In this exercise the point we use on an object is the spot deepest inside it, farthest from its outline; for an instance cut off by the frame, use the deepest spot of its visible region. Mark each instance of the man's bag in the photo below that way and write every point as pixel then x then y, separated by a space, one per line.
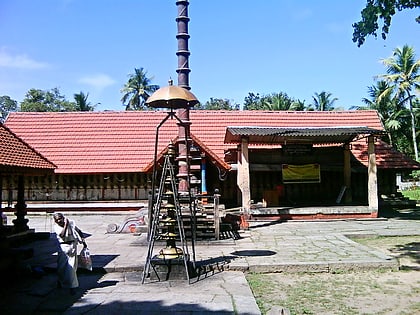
pixel 85 261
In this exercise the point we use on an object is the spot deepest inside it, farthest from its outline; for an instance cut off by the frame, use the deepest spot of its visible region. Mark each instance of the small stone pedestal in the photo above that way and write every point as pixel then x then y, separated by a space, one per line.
pixel 170 269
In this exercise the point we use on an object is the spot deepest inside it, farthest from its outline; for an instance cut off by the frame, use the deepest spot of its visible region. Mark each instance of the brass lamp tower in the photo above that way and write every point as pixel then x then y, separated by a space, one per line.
pixel 165 213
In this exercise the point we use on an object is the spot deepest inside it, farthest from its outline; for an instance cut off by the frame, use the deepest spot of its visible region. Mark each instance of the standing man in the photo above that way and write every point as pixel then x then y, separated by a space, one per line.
pixel 69 235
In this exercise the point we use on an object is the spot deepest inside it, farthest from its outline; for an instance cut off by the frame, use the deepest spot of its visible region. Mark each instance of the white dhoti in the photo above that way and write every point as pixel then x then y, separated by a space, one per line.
pixel 67 255
pixel 67 265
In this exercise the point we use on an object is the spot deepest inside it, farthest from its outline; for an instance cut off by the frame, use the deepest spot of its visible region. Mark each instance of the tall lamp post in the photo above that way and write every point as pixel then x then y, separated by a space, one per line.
pixel 183 71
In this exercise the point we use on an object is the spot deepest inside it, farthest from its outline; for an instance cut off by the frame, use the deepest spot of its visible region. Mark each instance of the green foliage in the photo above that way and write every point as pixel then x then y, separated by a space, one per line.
pixel 403 75
pixel 7 105
pixel 390 109
pixel 252 101
pixel 46 101
pixel 395 97
pixel 82 103
pixel 137 90
pixel 273 101
pixel 413 193
pixel 218 104
pixel 323 101
pixel 382 10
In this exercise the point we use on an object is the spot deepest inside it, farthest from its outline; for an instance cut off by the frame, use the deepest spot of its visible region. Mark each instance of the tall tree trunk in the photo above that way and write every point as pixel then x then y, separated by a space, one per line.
pixel 413 127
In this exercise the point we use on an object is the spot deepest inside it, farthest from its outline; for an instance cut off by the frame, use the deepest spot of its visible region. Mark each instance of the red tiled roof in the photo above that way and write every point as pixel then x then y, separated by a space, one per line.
pixel 104 142
pixel 386 156
pixel 16 154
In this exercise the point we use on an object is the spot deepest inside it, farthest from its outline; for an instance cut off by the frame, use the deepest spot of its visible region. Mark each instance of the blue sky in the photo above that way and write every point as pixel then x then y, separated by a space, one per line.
pixel 237 47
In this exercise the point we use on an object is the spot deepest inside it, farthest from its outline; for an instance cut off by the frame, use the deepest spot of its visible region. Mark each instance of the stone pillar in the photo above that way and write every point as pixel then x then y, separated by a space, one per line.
pixel 372 176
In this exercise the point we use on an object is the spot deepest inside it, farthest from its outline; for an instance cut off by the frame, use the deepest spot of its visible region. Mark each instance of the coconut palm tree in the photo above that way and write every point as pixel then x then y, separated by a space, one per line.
pixel 403 72
pixel 281 101
pixel 390 109
pixel 323 101
pixel 137 90
pixel 82 103
pixel 277 101
pixel 298 105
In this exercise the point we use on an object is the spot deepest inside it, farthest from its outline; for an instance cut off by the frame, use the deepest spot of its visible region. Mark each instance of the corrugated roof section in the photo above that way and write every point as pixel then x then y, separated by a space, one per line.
pixel 103 142
pixel 14 153
pixel 281 135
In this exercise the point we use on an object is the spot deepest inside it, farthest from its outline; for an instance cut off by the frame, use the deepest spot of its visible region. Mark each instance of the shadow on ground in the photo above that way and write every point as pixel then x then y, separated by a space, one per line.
pixel 410 251
pixel 30 285
pixel 400 213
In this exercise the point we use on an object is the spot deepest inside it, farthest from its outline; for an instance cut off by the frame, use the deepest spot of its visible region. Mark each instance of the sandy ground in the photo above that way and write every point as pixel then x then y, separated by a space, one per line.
pixel 368 292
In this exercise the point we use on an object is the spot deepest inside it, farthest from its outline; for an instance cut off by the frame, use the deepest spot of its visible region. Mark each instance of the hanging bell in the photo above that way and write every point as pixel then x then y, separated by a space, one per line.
pixel 170 253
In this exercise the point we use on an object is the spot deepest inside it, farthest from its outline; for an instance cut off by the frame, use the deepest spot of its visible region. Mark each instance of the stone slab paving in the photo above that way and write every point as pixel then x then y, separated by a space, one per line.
pixel 221 293
pixel 296 246
pixel 264 245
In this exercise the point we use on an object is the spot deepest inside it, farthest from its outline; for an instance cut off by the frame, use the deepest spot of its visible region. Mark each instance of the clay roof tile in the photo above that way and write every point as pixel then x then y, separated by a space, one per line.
pixel 103 142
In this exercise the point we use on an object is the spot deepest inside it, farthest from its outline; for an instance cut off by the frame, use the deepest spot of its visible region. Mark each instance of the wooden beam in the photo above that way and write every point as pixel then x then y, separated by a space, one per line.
pixel 372 176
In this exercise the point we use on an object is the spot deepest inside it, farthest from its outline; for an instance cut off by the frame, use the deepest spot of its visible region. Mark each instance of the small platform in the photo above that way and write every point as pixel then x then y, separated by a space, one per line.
pixel 170 269
pixel 312 212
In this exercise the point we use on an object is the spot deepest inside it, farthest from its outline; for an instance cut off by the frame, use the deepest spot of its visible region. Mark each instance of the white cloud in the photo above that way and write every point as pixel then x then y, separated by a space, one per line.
pixel 98 81
pixel 8 60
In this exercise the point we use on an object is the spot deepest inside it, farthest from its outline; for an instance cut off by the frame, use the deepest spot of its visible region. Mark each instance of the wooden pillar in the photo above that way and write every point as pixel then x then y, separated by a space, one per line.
pixel 20 223
pixel 216 215
pixel 1 193
pixel 1 203
pixel 372 176
pixel 243 175
pixel 347 174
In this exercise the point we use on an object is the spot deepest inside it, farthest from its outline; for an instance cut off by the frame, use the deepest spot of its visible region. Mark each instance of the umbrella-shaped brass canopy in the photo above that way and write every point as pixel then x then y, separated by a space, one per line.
pixel 172 96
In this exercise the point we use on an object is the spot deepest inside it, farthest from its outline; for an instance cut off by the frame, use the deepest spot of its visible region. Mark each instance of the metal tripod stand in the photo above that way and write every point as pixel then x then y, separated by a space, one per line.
pixel 167 226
